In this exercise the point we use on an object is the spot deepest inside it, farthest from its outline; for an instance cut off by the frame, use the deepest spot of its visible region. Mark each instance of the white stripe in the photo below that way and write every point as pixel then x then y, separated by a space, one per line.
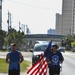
pixel 33 68
pixel 42 66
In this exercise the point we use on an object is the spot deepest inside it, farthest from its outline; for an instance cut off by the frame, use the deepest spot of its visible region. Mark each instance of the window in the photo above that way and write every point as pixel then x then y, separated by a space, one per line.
pixel 40 48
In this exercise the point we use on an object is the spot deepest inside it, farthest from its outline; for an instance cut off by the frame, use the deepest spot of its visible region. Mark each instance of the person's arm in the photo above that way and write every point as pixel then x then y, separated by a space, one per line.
pixel 61 58
pixel 21 58
pixel 48 59
pixel 7 59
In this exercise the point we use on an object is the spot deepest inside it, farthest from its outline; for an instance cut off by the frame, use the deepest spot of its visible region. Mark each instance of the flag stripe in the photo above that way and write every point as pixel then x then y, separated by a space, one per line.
pixel 34 70
pixel 43 70
pixel 40 67
pixel 43 66
pixel 33 66
pixel 39 63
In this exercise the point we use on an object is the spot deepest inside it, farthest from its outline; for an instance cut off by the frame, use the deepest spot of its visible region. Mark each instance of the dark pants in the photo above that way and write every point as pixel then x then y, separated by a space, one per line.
pixel 54 70
pixel 14 72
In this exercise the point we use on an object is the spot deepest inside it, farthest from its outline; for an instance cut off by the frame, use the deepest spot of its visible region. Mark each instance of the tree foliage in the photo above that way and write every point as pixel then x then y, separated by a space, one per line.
pixel 15 36
pixel 2 36
pixel 68 40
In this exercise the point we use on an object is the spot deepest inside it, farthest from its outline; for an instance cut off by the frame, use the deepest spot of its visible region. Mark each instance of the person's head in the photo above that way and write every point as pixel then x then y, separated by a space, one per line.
pixel 54 48
pixel 13 46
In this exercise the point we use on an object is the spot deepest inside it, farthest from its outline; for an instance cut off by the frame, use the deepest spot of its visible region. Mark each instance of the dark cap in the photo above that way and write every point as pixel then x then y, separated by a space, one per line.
pixel 55 46
pixel 13 44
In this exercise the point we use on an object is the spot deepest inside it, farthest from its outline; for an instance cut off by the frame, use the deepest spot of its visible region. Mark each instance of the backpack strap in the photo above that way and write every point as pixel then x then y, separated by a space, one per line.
pixel 50 54
pixel 59 54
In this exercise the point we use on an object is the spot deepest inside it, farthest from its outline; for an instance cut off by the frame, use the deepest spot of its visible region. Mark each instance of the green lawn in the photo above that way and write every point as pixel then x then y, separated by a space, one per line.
pixel 4 66
pixel 4 50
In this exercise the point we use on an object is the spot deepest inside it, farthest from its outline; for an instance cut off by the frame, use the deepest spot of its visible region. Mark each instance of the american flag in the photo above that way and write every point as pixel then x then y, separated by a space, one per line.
pixel 39 68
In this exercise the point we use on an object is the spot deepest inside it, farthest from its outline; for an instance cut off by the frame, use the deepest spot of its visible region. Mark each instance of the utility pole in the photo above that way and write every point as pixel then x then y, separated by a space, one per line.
pixel 9 21
pixel 9 27
pixel 19 25
pixel 0 14
pixel 24 28
pixel 27 29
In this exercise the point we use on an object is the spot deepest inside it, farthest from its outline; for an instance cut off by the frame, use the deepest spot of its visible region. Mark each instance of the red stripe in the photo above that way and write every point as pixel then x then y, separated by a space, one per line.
pixel 35 64
pixel 43 61
pixel 33 67
pixel 45 67
pixel 40 65
pixel 34 71
pixel 43 64
pixel 37 69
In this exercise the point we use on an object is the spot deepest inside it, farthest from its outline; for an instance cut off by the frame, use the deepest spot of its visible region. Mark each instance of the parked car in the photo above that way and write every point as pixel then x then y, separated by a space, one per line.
pixel 38 49
pixel 62 49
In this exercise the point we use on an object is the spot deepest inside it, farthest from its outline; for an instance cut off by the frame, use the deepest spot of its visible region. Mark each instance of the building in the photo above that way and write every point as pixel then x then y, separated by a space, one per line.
pixel 0 14
pixel 73 27
pixel 68 17
pixel 58 27
pixel 51 31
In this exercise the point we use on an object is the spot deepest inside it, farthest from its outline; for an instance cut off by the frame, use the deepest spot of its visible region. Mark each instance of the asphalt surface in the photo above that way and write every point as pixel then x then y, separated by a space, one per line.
pixel 69 64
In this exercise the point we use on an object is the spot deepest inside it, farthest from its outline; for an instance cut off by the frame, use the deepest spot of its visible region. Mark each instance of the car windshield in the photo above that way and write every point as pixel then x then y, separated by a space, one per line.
pixel 40 48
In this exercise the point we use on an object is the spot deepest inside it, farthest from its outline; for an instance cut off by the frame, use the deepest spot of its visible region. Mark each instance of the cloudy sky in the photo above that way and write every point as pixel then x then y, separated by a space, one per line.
pixel 39 15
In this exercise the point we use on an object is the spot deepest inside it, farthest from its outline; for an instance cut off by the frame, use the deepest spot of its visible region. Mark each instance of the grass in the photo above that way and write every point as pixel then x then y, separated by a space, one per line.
pixel 4 66
pixel 24 65
pixel 3 50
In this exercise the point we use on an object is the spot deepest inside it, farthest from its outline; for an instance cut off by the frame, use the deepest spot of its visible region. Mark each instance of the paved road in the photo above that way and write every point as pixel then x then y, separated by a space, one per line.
pixel 68 67
pixel 69 64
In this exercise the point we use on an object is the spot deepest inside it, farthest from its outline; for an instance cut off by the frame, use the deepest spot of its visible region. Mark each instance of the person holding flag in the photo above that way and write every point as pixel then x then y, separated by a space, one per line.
pixel 40 67
pixel 54 58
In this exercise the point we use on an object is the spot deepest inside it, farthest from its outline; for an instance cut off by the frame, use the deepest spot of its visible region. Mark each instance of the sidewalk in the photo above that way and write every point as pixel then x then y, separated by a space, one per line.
pixel 7 74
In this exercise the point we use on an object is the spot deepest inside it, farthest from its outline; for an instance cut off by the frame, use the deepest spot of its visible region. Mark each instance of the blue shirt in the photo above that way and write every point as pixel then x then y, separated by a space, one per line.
pixel 55 59
pixel 14 59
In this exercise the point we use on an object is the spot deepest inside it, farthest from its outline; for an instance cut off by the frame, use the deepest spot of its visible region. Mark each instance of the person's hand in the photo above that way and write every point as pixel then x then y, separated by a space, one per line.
pixel 48 61
pixel 19 62
pixel 61 62
pixel 8 62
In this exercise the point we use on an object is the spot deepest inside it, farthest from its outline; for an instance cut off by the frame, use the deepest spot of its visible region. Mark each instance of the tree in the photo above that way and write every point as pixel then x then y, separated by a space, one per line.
pixel 2 36
pixel 15 36
pixel 68 41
